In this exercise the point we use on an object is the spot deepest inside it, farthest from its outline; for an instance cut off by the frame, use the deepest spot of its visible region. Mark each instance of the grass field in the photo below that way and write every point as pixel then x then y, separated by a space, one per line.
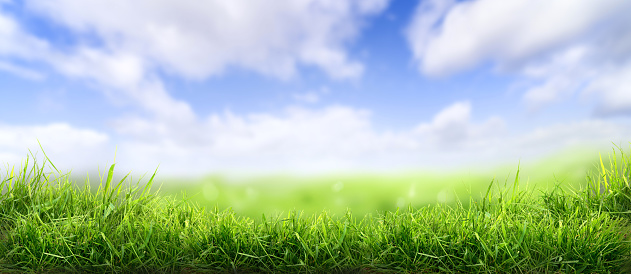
pixel 460 223
pixel 371 193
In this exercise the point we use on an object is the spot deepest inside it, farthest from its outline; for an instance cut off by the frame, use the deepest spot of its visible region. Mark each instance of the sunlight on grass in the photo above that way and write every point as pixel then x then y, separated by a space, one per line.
pixel 48 224
pixel 371 193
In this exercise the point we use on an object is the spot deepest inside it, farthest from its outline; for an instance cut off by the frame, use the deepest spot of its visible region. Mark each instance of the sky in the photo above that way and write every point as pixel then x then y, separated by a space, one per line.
pixel 310 86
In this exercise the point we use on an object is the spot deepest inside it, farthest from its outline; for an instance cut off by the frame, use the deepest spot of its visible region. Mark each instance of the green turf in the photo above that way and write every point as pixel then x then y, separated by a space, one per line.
pixel 49 224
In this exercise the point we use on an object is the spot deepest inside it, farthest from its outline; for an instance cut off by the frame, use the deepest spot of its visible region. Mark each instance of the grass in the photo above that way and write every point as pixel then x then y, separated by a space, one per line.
pixel 365 193
pixel 47 224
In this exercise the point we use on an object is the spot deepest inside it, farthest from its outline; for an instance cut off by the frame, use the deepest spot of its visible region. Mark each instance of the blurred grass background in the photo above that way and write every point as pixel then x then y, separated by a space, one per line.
pixel 369 193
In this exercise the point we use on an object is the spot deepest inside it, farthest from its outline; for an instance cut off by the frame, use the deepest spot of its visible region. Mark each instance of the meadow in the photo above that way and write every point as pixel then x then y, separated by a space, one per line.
pixel 572 217
pixel 365 193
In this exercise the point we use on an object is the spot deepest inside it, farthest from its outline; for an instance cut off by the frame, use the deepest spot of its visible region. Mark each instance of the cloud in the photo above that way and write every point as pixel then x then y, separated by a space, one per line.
pixel 301 139
pixel 188 39
pixel 21 71
pixel 342 138
pixel 122 74
pixel 67 146
pixel 16 43
pixel 197 40
pixel 587 133
pixel 452 127
pixel 614 88
pixel 464 34
pixel 119 70
pixel 423 29
pixel 559 77
pixel 560 46
pixel 334 137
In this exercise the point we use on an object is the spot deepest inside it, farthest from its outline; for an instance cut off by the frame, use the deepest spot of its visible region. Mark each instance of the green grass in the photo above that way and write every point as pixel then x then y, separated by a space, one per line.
pixel 370 193
pixel 48 224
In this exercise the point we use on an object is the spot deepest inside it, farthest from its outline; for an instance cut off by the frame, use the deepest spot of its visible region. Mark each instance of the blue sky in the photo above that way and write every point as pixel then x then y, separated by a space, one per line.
pixel 311 86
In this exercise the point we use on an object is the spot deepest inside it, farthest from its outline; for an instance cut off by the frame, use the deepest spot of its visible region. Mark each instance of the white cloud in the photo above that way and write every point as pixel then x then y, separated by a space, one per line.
pixel 338 138
pixel 123 74
pixel 449 125
pixel 614 88
pixel 21 71
pixel 423 28
pixel 503 31
pixel 118 70
pixel 136 42
pixel 560 76
pixel 301 139
pixel 199 39
pixel 452 128
pixel 16 42
pixel 593 133
pixel 68 147
pixel 560 45
pixel 335 137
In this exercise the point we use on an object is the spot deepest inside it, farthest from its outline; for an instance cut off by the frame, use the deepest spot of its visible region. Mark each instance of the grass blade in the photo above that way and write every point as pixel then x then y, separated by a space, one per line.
pixel 110 174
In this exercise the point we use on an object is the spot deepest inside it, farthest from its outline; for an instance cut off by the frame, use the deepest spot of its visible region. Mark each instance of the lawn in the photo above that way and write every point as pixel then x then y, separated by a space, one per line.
pixel 461 222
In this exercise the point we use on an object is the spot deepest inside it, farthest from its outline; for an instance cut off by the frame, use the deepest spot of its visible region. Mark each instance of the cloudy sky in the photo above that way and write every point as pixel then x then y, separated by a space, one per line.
pixel 310 85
